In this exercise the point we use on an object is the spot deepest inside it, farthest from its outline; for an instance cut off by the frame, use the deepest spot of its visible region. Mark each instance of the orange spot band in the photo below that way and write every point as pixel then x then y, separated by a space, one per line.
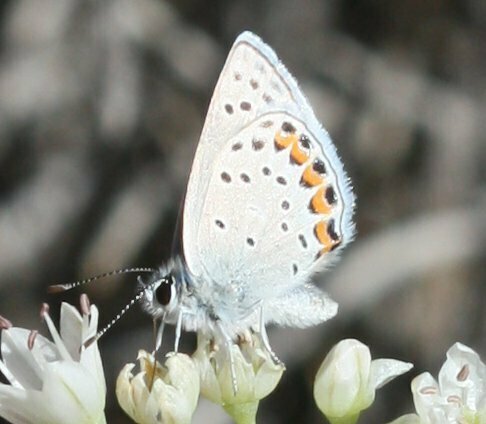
pixel 319 203
pixel 298 155
pixel 324 238
pixel 284 141
pixel 311 177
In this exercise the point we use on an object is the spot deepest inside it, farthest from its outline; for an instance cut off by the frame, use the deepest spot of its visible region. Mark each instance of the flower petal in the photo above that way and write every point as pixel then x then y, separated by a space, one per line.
pixel 63 352
pixel 178 392
pixel 69 384
pixel 464 375
pixel 210 388
pixel 407 419
pixel 124 389
pixel 384 370
pixel 267 376
pixel 18 359
pixel 427 397
pixel 66 388
pixel 12 402
pixel 71 325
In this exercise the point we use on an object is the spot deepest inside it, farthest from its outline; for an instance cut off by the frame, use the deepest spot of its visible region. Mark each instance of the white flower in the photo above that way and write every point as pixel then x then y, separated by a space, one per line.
pixel 460 394
pixel 347 380
pixel 407 419
pixel 256 376
pixel 53 382
pixel 168 394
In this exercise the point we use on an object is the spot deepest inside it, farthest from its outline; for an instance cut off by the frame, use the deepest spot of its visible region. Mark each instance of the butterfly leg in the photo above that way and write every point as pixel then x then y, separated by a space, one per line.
pixel 264 336
pixel 178 331
pixel 229 347
pixel 158 333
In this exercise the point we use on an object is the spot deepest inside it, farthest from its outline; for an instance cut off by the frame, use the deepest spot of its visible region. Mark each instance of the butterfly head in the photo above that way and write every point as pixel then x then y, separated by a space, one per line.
pixel 161 291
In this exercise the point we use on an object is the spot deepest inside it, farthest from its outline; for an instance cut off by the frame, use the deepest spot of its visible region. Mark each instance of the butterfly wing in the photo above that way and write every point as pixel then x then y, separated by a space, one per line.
pixel 301 307
pixel 268 202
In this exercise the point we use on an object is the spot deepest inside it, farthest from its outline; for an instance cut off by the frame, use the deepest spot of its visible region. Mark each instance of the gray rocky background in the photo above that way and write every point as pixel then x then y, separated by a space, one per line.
pixel 101 106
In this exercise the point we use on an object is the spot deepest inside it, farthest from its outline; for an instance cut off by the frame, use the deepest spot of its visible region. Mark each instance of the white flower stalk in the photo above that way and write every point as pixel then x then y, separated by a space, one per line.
pixel 458 397
pixel 347 380
pixel 53 382
pixel 256 376
pixel 165 394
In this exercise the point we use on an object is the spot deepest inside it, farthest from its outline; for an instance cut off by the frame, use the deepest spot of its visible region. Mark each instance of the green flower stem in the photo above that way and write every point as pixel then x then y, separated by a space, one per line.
pixel 351 419
pixel 242 413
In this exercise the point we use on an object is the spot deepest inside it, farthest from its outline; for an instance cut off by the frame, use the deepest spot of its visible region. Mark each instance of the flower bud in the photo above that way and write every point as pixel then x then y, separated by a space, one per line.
pixel 165 394
pixel 256 376
pixel 347 380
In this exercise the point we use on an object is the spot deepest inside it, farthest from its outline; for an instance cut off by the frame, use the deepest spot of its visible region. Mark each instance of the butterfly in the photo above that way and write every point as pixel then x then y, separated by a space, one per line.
pixel 268 205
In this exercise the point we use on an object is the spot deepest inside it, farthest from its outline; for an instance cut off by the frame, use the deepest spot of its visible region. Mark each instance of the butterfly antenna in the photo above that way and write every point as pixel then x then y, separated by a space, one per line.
pixel 100 333
pixel 57 288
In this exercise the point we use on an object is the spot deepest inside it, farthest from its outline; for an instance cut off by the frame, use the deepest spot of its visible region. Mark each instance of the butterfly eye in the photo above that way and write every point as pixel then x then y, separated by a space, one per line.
pixel 165 292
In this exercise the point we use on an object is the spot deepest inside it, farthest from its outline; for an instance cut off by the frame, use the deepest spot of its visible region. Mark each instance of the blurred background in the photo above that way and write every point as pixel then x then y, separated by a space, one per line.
pixel 101 107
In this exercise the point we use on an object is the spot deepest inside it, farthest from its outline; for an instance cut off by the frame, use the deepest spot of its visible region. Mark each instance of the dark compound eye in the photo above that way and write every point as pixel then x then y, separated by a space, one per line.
pixel 163 293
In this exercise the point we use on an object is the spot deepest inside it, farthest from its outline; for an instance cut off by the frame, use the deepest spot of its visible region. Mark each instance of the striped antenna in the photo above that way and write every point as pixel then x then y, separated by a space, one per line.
pixel 96 337
pixel 57 288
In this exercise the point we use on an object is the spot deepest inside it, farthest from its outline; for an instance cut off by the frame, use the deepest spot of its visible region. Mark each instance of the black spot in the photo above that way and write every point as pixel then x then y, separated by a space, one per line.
pixel 236 146
pixel 246 106
pixel 220 223
pixel 295 268
pixel 266 124
pixel 228 108
pixel 319 166
pixel 288 127
pixel 250 241
pixel 284 226
pixel 254 84
pixel 331 230
pixel 303 241
pixel 257 144
pixel 237 76
pixel 285 205
pixel 267 98
pixel 245 178
pixel 281 180
pixel 330 195
pixel 225 177
pixel 304 141
pixel 266 171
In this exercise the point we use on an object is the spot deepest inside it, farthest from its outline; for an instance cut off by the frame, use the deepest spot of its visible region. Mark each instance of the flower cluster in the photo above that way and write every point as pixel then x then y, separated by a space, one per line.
pixel 171 392
pixel 61 381
pixel 56 382
pixel 459 395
